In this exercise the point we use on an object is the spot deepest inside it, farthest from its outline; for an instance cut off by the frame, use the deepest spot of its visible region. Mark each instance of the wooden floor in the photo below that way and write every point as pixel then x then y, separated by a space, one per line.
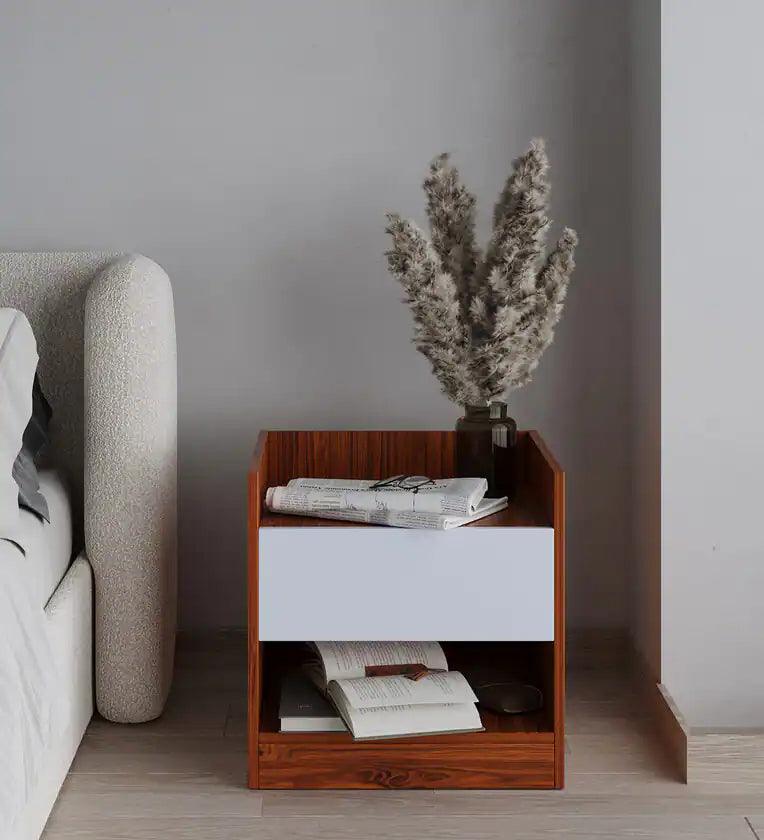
pixel 183 777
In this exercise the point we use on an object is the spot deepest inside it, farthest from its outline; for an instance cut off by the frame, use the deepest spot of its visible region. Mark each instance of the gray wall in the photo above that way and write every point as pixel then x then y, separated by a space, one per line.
pixel 712 298
pixel 645 142
pixel 252 149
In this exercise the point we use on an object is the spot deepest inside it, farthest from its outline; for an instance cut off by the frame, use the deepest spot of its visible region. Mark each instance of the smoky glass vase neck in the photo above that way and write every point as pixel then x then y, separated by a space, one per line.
pixel 485 445
pixel 494 410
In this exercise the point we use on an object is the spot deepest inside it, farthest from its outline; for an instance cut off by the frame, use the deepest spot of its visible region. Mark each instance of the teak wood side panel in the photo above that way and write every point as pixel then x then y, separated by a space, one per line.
pixel 473 761
pixel 544 480
pixel 544 475
pixel 256 487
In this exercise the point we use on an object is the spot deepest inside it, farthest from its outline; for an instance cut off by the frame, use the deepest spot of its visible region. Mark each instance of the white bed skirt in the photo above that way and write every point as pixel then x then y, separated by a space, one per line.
pixel 70 616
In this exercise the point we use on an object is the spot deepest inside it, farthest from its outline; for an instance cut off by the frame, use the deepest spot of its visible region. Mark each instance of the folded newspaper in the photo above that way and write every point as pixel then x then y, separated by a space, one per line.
pixel 445 504
pixel 459 496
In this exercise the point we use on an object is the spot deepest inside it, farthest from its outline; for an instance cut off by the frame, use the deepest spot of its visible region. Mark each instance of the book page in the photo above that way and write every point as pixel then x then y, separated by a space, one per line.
pixel 401 721
pixel 375 692
pixel 349 659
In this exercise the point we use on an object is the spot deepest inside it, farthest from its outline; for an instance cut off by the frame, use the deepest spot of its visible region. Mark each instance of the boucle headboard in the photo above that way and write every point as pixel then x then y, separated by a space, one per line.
pixel 50 289
pixel 105 330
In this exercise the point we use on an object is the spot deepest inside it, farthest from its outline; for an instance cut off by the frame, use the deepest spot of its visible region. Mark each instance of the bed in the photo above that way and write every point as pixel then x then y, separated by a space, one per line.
pixel 87 615
pixel 46 697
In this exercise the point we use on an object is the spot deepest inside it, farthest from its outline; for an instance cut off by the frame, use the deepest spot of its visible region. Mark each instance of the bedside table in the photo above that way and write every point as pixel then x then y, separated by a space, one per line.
pixel 490 592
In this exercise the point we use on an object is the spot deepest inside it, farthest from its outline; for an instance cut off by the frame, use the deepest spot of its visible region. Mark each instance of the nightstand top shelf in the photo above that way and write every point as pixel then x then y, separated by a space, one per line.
pixel 519 514
pixel 376 454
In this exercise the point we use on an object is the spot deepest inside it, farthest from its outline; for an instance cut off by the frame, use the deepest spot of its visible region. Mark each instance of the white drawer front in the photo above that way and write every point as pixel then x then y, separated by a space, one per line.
pixel 471 584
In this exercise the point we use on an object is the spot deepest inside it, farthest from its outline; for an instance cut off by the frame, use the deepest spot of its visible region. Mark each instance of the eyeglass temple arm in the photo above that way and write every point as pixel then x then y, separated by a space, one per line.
pixel 386 481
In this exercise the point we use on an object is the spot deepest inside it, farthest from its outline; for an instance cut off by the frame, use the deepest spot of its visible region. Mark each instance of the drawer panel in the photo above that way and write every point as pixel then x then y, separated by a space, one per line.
pixel 470 584
pixel 306 765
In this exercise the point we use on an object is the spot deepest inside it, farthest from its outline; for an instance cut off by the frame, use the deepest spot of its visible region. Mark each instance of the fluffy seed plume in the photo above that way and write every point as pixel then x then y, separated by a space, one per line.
pixel 440 333
pixel 451 212
pixel 483 321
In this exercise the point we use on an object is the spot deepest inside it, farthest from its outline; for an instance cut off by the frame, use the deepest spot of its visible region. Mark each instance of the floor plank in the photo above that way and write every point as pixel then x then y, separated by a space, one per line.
pixel 89 797
pixel 625 752
pixel 102 753
pixel 715 756
pixel 365 803
pixel 605 803
pixel 536 827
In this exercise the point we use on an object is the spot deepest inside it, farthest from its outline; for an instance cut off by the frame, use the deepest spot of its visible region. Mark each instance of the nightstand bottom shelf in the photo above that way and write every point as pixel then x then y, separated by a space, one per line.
pixel 415 763
pixel 513 751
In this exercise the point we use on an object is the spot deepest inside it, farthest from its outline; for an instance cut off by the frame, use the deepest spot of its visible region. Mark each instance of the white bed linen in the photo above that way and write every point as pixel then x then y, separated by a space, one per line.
pixel 48 545
pixel 18 363
pixel 32 708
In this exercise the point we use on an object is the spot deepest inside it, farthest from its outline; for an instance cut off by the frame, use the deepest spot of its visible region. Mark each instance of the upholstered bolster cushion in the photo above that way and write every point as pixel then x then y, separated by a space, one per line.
pixel 131 484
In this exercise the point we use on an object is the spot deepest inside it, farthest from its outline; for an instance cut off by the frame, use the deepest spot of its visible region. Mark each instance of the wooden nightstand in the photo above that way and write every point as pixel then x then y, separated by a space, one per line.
pixel 490 591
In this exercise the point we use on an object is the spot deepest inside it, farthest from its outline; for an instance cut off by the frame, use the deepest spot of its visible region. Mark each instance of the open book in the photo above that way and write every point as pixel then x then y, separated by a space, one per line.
pixel 394 706
pixel 445 496
pixel 284 500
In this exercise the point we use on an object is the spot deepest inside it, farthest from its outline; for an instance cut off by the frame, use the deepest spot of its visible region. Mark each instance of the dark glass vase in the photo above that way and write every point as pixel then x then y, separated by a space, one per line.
pixel 486 439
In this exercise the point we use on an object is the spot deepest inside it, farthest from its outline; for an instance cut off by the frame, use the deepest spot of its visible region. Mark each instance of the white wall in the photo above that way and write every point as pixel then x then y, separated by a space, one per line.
pixel 645 191
pixel 713 345
pixel 252 149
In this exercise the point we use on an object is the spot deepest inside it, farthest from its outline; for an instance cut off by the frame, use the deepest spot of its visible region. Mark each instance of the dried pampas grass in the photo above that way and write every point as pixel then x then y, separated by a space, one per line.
pixel 483 321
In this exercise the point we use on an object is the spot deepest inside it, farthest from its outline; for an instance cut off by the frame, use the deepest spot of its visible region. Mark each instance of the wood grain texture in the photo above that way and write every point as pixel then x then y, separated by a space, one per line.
pixel 374 454
pixel 138 795
pixel 360 454
pixel 543 481
pixel 668 721
pixel 527 751
pixel 734 757
pixel 256 488
pixel 592 803
pixel 410 765
pixel 559 621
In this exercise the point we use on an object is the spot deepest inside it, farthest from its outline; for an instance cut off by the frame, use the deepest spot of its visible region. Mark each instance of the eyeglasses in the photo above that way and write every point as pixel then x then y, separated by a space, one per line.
pixel 403 482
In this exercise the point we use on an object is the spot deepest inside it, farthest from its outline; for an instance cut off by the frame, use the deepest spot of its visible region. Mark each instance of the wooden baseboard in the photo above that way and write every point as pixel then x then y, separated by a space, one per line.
pixel 601 649
pixel 722 757
pixel 670 726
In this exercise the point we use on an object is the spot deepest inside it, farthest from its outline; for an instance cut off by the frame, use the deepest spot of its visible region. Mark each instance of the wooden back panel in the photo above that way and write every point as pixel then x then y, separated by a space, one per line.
pixel 283 455
pixel 358 454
